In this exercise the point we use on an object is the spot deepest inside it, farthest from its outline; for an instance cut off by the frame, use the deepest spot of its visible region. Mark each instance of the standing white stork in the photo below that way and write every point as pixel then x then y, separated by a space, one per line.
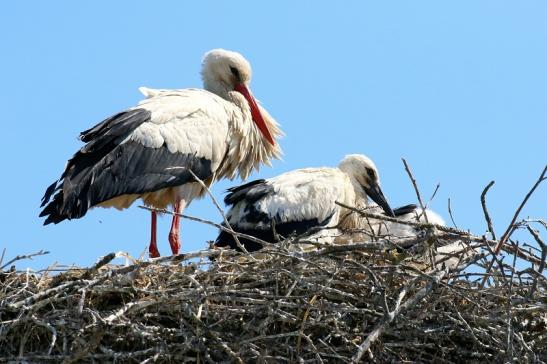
pixel 296 201
pixel 147 151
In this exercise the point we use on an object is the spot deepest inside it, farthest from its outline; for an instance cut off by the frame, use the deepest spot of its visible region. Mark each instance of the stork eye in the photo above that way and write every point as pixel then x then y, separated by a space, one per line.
pixel 235 72
pixel 371 173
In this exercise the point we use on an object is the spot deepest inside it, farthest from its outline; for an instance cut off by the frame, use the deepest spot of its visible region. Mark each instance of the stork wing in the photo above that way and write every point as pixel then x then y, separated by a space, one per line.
pixel 304 196
pixel 291 203
pixel 141 150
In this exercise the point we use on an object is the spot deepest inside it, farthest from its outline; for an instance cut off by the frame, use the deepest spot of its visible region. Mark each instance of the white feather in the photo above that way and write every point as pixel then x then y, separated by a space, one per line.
pixel 307 194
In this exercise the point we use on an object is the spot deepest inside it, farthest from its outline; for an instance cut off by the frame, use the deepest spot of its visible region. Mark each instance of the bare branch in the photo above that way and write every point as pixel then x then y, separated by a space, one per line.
pixel 485 210
pixel 512 225
pixel 226 222
pixel 22 257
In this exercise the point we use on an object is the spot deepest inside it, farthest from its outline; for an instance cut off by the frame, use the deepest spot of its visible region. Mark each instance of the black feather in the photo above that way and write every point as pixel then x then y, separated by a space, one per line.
pixel 104 168
pixel 115 125
pixel 286 229
pixel 49 191
pixel 250 192
pixel 403 210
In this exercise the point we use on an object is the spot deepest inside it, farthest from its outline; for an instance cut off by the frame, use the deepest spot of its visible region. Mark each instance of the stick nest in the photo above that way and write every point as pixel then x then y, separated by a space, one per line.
pixel 340 303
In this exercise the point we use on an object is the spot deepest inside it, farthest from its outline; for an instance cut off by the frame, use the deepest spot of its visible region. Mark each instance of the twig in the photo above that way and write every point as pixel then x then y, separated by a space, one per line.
pixel 21 257
pixel 450 214
pixel 511 226
pixel 541 266
pixel 509 342
pixel 423 207
pixel 383 324
pixel 485 210
pixel 130 306
pixel 2 256
pixel 102 262
pixel 542 246
pixel 413 180
pixel 304 319
pixel 433 194
pixel 221 211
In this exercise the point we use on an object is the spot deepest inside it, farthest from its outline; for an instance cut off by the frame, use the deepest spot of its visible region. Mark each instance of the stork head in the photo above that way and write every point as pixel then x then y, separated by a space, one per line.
pixel 363 171
pixel 226 71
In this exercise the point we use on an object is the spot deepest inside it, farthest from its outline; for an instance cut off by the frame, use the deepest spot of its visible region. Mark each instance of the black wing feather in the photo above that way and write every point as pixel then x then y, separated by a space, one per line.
pixel 104 168
pixel 250 192
pixel 403 210
pixel 285 229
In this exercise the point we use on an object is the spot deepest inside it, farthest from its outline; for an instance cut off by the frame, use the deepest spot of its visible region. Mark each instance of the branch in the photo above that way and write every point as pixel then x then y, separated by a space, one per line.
pixel 413 180
pixel 512 226
pixel 389 317
pixel 21 257
pixel 236 239
pixel 508 232
pixel 485 210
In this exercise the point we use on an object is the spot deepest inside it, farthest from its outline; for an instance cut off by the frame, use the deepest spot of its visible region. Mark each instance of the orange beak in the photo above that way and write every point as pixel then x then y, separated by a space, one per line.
pixel 255 112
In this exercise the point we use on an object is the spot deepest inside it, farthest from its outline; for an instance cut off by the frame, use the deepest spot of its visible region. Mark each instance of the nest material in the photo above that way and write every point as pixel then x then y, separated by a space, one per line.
pixel 343 303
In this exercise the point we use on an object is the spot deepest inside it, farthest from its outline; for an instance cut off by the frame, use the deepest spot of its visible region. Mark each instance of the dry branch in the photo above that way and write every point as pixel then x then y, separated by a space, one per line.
pixel 512 225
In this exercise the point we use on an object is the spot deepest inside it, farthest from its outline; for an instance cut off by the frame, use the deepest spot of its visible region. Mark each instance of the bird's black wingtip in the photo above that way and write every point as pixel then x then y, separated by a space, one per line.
pixel 245 191
pixel 48 193
pixel 226 240
pixel 54 219
pixel 406 209
pixel 53 211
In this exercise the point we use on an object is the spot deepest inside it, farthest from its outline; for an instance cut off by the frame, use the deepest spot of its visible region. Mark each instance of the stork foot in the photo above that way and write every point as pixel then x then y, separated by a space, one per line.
pixel 174 241
pixel 153 251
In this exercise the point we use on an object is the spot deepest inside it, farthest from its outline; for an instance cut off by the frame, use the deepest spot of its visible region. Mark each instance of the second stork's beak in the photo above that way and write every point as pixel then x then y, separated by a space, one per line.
pixel 376 194
pixel 255 112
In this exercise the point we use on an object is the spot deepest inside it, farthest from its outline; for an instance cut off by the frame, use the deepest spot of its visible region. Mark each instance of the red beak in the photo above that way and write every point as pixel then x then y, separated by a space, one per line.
pixel 255 112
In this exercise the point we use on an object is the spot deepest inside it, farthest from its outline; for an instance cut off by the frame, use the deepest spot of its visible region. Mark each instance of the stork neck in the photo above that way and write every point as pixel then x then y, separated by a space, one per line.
pixel 218 88
pixel 248 149
pixel 358 199
pixel 360 194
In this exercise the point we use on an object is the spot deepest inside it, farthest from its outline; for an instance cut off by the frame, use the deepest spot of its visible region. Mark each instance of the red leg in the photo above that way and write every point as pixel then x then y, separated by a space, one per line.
pixel 174 233
pixel 153 249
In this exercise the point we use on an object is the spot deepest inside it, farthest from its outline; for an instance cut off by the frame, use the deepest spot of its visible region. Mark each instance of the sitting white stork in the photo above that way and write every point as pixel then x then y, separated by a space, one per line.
pixel 370 227
pixel 449 255
pixel 296 201
pixel 147 151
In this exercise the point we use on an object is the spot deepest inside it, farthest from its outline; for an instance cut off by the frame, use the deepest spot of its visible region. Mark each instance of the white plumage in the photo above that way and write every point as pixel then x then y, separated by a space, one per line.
pixel 296 201
pixel 146 151
pixel 367 228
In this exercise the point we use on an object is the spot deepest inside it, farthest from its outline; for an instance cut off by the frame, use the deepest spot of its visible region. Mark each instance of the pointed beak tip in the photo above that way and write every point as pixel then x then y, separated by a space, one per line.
pixel 376 194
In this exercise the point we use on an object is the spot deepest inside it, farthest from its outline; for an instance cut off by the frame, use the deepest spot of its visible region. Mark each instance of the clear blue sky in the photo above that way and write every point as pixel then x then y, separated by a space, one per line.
pixel 457 88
